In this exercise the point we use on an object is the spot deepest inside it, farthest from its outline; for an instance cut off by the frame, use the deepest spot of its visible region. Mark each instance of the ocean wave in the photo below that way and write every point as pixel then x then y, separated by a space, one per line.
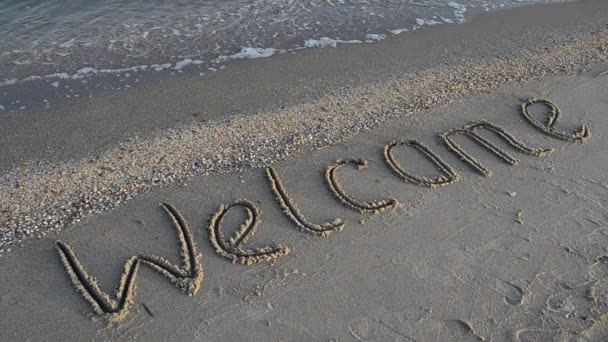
pixel 51 40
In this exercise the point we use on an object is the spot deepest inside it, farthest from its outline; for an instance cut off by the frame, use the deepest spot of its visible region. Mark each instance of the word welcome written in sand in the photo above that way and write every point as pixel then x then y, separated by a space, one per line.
pixel 189 276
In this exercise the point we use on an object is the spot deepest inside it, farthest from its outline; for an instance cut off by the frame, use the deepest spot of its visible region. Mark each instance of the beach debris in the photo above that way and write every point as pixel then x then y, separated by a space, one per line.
pixel 293 213
pixel 602 74
pixel 231 248
pixel 519 219
pixel 349 201
pixel 470 130
pixel 512 193
pixel 188 278
pixel 148 311
pixel 548 128
pixel 447 177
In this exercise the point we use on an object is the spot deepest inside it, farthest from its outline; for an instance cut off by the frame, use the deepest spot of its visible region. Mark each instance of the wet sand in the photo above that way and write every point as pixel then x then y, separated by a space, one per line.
pixel 413 249
pixel 76 128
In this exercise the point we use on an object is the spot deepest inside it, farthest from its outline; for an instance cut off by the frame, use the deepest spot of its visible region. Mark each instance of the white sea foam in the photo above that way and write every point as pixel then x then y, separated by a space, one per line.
pixel 32 78
pixel 375 36
pixel 246 52
pixel 253 53
pixel 399 31
pixel 427 22
pixel 161 67
pixel 84 72
pixel 59 75
pixel 136 29
pixel 181 64
pixel 10 81
pixel 324 42
pixel 22 62
pixel 459 11
pixel 68 44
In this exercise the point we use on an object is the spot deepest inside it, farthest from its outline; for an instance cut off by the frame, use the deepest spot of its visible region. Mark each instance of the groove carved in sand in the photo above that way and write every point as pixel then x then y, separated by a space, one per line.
pixel 231 248
pixel 471 131
pixel 113 310
pixel 548 128
pixel 293 213
pixel 346 199
pixel 188 278
pixel 448 175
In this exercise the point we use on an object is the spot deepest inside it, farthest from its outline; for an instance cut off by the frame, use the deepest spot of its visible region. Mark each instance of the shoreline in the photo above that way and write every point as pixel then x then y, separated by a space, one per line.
pixel 90 126
pixel 88 57
pixel 41 197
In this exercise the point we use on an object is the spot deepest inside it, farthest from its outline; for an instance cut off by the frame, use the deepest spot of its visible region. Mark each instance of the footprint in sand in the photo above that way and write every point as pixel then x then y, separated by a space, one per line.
pixel 526 335
pixel 462 331
pixel 514 294
pixel 599 268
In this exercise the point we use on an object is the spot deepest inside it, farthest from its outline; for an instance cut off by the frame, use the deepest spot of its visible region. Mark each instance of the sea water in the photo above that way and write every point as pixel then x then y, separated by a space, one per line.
pixel 55 40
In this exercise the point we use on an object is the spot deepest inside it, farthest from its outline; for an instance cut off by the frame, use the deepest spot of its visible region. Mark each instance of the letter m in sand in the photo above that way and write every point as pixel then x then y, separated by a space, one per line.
pixel 472 131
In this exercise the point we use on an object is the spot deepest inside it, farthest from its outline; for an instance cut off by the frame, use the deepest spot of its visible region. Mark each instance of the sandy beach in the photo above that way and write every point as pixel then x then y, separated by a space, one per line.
pixel 445 185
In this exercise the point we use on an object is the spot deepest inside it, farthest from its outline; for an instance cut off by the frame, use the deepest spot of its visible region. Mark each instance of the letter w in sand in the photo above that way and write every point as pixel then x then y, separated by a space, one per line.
pixel 471 131
pixel 188 277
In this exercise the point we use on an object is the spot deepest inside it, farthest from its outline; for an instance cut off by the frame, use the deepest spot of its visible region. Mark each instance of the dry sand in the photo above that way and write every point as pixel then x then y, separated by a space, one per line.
pixel 38 197
pixel 520 255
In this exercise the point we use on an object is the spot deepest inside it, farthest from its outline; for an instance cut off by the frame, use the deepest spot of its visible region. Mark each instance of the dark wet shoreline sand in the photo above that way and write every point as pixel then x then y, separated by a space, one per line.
pixel 77 128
